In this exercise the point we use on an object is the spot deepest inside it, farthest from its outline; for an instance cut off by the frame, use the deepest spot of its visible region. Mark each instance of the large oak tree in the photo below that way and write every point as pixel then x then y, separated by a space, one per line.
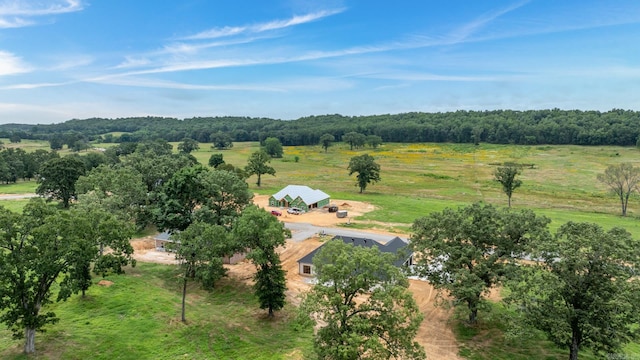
pixel 258 165
pixel 362 304
pixel 367 169
pixel 39 248
pixel 58 178
pixel 583 291
pixel 467 251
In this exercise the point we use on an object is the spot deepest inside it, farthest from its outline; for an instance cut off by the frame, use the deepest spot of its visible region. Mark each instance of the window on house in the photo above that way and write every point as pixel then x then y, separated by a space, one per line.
pixel 306 269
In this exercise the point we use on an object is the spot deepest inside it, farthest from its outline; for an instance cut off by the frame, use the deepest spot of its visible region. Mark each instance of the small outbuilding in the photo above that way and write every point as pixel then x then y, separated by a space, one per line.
pixel 396 246
pixel 164 238
pixel 299 196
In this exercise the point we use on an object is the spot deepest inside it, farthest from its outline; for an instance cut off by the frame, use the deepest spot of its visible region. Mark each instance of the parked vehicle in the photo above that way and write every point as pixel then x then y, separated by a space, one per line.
pixel 294 211
pixel 333 208
pixel 276 213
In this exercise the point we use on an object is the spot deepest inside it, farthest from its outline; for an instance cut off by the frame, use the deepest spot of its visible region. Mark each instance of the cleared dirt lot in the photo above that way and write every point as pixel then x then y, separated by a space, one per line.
pixel 435 332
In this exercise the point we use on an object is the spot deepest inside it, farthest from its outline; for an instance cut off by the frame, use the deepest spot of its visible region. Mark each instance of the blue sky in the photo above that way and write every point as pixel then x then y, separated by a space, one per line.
pixel 64 59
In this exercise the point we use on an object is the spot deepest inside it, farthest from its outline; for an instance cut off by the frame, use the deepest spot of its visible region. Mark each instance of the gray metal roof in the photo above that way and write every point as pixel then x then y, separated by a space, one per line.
pixel 165 236
pixel 396 246
pixel 307 194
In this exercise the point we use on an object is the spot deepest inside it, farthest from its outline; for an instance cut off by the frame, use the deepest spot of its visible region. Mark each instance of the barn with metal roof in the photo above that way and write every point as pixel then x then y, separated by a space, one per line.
pixel 299 196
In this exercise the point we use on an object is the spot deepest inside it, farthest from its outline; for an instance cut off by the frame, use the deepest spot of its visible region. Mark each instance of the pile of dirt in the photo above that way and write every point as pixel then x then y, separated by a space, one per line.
pixel 145 243
pixel 105 283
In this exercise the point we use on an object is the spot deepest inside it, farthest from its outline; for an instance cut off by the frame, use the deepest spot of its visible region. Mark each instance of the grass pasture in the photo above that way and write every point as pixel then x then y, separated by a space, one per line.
pixel 421 178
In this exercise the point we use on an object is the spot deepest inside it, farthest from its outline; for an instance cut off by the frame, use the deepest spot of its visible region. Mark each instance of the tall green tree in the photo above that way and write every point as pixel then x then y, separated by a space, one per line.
pixel 363 305
pixel 261 233
pixel 156 169
pixel 153 148
pixel 93 159
pixel 622 180
pixel 326 140
pixel 506 176
pixel 467 251
pixel 106 246
pixel 257 165
pixel 216 160
pixel 221 140
pixel 58 178
pixel 38 158
pixel 273 147
pixel 37 248
pixel 366 167
pixel 350 138
pixel 227 195
pixel 200 249
pixel 13 160
pixel 584 291
pixel 179 198
pixel 119 190
pixel 374 141
pixel 197 193
pixel 359 140
pixel 188 145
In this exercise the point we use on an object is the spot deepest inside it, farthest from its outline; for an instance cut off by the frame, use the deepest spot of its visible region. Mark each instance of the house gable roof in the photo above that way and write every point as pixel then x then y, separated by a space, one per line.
pixel 395 246
pixel 307 194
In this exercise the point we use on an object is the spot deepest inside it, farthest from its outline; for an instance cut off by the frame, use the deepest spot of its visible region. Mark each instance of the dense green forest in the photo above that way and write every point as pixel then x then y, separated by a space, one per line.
pixel 555 126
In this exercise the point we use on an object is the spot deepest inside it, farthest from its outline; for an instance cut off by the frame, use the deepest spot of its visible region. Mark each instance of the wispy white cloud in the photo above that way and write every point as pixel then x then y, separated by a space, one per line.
pixel 261 27
pixel 422 76
pixel 6 23
pixel 562 19
pixel 205 64
pixel 131 62
pixel 71 62
pixel 187 48
pixel 20 13
pixel 465 31
pixel 30 86
pixel 161 84
pixel 11 64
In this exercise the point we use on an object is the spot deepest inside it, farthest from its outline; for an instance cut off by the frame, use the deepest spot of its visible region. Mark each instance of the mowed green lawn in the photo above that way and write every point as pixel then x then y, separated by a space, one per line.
pixel 138 317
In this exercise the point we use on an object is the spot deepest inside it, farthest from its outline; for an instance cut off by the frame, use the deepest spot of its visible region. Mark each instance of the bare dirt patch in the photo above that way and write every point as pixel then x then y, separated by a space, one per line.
pixel 105 283
pixel 322 217
pixel 318 217
pixel 144 249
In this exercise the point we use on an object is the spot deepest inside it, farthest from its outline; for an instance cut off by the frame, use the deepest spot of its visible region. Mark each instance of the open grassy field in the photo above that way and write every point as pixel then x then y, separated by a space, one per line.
pixel 418 179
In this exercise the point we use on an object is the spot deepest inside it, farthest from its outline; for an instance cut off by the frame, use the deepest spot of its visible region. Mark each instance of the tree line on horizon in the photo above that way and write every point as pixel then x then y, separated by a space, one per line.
pixel 578 286
pixel 531 127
